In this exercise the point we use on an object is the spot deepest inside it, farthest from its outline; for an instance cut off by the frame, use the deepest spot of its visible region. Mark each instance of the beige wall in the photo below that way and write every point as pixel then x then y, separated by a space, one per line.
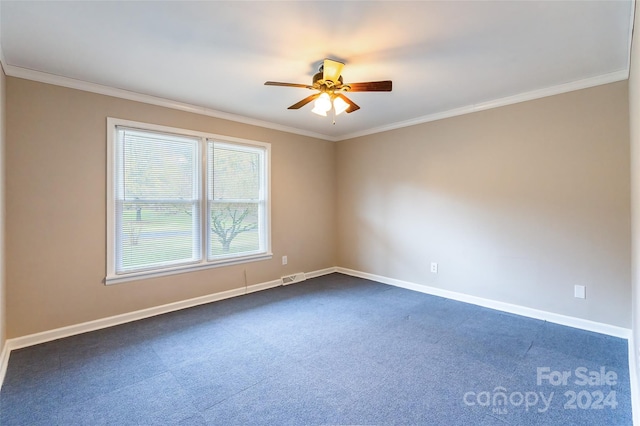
pixel 56 202
pixel 517 204
pixel 3 335
pixel 634 121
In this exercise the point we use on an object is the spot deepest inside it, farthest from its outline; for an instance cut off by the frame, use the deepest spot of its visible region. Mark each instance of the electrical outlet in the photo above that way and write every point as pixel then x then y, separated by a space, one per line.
pixel 284 260
pixel 580 292
pixel 434 267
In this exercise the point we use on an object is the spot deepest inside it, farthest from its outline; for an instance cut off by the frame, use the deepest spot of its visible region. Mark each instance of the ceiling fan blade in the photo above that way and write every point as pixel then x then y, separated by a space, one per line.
pixel 304 101
pixel 352 105
pixel 371 86
pixel 275 83
pixel 332 70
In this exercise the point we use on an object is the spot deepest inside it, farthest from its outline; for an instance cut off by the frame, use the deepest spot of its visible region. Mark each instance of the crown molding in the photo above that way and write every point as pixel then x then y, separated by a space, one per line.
pixel 510 100
pixel 57 80
pixel 72 83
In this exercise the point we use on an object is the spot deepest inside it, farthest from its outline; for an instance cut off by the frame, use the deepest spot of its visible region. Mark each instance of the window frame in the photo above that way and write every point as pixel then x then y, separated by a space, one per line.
pixel 113 277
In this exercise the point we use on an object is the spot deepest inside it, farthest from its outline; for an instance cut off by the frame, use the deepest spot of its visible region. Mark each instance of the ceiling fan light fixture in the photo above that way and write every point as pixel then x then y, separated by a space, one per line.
pixel 315 110
pixel 322 105
pixel 339 105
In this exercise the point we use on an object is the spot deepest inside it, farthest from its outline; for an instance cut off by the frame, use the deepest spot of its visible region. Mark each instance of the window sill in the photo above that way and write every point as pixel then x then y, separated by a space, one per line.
pixel 134 276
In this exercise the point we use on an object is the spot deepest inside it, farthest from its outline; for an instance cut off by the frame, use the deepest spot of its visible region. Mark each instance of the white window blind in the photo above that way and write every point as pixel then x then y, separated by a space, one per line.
pixel 181 200
pixel 157 201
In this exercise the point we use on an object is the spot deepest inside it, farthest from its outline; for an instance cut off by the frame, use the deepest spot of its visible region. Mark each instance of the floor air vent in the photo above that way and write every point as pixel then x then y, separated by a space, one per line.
pixel 294 278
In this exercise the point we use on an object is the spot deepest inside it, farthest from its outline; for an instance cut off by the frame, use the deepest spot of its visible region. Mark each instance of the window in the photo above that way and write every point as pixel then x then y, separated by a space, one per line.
pixel 180 200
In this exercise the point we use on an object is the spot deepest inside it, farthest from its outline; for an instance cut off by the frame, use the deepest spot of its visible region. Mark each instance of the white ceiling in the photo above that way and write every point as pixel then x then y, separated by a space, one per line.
pixel 443 57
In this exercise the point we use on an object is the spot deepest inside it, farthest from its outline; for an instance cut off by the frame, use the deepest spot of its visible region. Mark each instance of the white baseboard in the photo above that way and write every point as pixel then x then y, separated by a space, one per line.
pixel 580 323
pixel 4 361
pixel 59 333
pixel 321 272
pixel 263 286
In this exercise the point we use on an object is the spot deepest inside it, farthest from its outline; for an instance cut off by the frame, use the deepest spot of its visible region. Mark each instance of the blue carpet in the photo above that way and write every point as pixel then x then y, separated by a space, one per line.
pixel 332 350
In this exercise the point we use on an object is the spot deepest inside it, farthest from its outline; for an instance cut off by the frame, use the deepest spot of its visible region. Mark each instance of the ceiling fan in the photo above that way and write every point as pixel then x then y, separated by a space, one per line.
pixel 331 88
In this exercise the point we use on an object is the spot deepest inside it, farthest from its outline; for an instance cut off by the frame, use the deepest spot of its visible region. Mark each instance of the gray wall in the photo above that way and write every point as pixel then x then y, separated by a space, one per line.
pixel 517 204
